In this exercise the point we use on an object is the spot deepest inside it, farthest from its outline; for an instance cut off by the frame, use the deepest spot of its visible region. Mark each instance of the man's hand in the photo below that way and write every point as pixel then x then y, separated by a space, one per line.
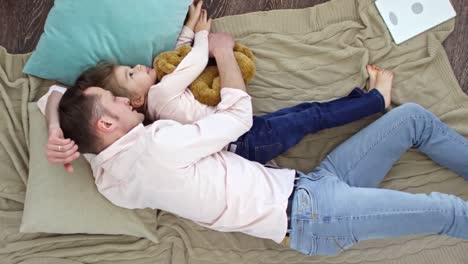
pixel 203 22
pixel 61 150
pixel 218 42
pixel 194 15
pixel 221 46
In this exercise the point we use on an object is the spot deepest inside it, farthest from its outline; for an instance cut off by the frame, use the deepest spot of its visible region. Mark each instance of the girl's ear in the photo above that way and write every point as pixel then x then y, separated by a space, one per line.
pixel 137 102
pixel 106 124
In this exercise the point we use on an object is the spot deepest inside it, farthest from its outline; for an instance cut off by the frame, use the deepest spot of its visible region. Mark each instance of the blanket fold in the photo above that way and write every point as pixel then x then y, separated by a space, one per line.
pixel 311 54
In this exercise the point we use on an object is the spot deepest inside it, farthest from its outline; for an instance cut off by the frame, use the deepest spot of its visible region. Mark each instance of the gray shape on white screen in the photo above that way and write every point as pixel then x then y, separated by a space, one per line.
pixel 393 18
pixel 417 8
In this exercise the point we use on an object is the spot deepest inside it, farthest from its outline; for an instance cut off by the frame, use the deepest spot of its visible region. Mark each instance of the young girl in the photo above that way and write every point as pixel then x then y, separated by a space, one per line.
pixel 270 135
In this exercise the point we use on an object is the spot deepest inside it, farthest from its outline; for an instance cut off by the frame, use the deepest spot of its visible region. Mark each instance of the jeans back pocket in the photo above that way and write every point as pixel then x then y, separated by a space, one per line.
pixel 330 246
pixel 303 212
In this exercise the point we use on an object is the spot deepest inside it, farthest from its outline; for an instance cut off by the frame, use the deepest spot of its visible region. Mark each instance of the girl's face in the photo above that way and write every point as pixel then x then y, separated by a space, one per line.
pixel 136 79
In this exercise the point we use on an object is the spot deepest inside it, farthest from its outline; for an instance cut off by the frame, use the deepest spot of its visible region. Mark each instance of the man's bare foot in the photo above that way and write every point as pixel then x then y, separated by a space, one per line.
pixel 372 71
pixel 384 85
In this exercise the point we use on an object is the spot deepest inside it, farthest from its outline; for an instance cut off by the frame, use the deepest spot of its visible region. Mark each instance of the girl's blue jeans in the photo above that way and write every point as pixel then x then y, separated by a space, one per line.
pixel 339 204
pixel 274 133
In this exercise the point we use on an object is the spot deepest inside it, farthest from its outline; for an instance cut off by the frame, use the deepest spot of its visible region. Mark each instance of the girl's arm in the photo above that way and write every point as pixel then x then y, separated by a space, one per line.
pixel 233 116
pixel 175 83
pixel 188 31
pixel 186 37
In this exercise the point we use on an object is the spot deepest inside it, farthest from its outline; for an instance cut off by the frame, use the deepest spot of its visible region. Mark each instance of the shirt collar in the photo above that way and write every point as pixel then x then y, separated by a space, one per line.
pixel 121 144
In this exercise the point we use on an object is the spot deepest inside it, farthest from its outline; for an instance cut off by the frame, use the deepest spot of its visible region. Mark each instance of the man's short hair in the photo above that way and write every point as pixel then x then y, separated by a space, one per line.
pixel 78 114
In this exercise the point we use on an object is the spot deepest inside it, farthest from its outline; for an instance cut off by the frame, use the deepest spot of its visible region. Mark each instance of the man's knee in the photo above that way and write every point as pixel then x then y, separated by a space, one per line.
pixel 411 108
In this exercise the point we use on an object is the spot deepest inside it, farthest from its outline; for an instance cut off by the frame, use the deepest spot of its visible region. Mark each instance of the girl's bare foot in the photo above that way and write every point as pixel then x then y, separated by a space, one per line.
pixel 384 84
pixel 372 71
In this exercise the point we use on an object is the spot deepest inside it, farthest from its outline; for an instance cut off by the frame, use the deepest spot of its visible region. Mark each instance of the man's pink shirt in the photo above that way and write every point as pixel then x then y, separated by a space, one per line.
pixel 182 169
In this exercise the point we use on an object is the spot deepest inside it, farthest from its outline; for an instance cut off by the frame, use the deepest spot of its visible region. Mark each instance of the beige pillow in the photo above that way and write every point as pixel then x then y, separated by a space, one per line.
pixel 60 202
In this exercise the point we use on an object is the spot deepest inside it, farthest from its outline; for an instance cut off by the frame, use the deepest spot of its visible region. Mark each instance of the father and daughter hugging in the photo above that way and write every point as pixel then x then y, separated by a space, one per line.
pixel 205 163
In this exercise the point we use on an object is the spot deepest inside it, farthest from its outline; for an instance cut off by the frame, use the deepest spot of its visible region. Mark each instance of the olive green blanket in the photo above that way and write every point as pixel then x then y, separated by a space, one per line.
pixel 312 54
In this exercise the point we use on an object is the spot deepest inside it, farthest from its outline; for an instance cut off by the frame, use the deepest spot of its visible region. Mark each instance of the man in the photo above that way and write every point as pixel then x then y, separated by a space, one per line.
pixel 191 154
pixel 183 169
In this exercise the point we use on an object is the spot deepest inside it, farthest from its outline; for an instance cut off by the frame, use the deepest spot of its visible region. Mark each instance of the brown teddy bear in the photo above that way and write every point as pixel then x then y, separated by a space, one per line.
pixel 206 88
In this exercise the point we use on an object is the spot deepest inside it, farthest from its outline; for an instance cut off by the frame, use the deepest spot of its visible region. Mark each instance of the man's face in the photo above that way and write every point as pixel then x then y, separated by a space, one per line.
pixel 118 108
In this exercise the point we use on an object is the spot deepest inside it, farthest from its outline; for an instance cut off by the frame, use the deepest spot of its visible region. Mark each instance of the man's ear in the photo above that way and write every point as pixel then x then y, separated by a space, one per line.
pixel 106 124
pixel 137 102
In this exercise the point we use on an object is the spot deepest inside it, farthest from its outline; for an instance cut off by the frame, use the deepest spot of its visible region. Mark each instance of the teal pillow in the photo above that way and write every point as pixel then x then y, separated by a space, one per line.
pixel 80 33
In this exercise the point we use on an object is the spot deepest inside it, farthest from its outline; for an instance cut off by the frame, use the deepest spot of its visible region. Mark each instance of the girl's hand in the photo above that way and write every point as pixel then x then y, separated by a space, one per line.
pixel 60 150
pixel 194 15
pixel 203 23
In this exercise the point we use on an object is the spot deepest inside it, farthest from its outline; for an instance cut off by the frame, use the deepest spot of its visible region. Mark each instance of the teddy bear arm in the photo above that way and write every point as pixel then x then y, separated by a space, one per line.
pixel 246 65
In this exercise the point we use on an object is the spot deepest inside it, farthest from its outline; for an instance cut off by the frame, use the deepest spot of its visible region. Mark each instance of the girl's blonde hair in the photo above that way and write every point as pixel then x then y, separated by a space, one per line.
pixel 102 75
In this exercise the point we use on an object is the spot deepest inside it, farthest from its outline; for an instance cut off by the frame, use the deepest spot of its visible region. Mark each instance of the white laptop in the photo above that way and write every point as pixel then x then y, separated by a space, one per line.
pixel 408 18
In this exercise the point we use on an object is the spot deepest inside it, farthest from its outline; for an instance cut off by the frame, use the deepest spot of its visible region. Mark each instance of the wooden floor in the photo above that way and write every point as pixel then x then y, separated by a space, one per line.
pixel 22 22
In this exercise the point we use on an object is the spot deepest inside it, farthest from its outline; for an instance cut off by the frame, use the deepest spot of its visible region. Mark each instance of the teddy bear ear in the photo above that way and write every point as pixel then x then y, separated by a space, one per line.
pixel 165 67
pixel 247 67
pixel 239 47
pixel 165 63
pixel 246 61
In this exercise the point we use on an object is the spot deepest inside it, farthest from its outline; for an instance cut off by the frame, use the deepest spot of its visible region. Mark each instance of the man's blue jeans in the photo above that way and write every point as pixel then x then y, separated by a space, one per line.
pixel 274 133
pixel 339 204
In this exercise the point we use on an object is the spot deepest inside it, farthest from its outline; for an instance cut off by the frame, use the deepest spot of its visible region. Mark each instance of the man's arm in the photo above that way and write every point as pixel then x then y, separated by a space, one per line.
pixel 58 149
pixel 229 71
pixel 51 112
pixel 233 116
pixel 180 145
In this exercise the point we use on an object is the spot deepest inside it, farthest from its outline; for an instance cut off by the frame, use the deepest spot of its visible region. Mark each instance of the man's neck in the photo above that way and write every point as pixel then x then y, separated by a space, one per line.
pixel 108 139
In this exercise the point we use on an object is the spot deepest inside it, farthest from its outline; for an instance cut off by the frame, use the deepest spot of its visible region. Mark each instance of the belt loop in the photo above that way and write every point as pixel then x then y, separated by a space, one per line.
pixel 296 178
pixel 232 147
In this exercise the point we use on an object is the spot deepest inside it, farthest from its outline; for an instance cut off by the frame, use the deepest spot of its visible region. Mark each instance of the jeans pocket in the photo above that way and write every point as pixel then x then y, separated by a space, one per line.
pixel 301 238
pixel 303 216
pixel 313 176
pixel 330 246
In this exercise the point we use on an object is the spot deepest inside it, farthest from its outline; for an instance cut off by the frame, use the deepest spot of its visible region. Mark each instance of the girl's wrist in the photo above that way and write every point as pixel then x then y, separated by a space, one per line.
pixel 191 25
pixel 200 30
